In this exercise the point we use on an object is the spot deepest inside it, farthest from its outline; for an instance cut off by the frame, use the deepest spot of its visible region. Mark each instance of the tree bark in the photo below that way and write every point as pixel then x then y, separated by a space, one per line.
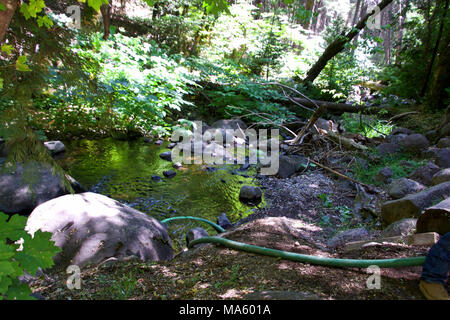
pixel 338 45
pixel 105 9
pixel 435 51
pixel 6 16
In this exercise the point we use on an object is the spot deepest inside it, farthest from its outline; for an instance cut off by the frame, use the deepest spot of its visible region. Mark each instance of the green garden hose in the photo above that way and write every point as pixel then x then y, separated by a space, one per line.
pixel 324 261
pixel 214 225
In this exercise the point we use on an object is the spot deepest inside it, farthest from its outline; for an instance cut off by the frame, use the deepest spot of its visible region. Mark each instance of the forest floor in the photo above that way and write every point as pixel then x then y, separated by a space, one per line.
pixel 215 272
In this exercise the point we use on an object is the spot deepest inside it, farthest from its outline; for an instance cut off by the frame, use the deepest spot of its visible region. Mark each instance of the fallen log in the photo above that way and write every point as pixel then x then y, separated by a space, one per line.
pixel 336 107
pixel 435 218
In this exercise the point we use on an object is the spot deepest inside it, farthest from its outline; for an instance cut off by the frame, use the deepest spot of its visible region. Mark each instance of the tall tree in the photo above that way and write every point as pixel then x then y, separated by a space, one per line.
pixel 339 44
pixel 7 9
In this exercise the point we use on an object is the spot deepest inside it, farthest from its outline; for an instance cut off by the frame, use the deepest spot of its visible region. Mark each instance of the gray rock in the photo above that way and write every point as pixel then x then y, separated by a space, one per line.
pixel 349 235
pixel 327 125
pixel 402 187
pixel 425 173
pixel 414 143
pixel 156 178
pixel 396 138
pixel 167 155
pixel 159 142
pixel 443 158
pixel 223 221
pixel 441 177
pixel 444 142
pixel 24 187
pixel 171 145
pixel 250 194
pixel 402 227
pixel 411 205
pixel 288 165
pixel 386 149
pixel 177 165
pixel 384 175
pixel 90 228
pixel 196 233
pixel 55 147
pixel 169 173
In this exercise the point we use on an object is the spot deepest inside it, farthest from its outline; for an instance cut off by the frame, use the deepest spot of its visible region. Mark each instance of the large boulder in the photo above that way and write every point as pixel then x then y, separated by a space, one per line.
pixel 402 187
pixel 435 218
pixel 441 177
pixel 442 158
pixel 24 187
pixel 90 228
pixel 414 143
pixel 425 173
pixel 412 205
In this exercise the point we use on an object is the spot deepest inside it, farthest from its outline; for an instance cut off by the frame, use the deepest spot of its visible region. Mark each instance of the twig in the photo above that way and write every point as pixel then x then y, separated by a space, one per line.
pixel 369 188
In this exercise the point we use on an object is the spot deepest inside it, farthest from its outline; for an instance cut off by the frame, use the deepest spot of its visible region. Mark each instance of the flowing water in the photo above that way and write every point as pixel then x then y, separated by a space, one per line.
pixel 123 170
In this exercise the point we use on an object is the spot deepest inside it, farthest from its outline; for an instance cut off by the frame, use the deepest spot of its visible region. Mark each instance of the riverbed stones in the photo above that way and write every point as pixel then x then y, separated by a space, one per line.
pixel 435 218
pixel 401 187
pixel 442 158
pixel 229 124
pixel 223 221
pixel 24 187
pixel 425 173
pixel 288 165
pixel 167 155
pixel 55 147
pixel 414 143
pixel 402 227
pixel 412 205
pixel 90 228
pixel 169 173
pixel 441 177
pixel 444 143
pixel 194 234
pixel 386 149
pixel 250 194
pixel 384 175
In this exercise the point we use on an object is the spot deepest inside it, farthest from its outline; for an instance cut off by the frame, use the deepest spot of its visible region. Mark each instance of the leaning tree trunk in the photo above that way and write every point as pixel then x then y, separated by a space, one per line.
pixel 6 16
pixel 338 45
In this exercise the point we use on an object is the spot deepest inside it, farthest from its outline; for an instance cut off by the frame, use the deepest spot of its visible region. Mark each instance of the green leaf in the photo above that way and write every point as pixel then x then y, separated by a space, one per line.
pixel 14 228
pixel 21 64
pixel 2 7
pixel 7 48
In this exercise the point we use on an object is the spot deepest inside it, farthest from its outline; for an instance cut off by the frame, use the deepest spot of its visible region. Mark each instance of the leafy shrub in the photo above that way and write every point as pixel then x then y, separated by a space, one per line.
pixel 19 253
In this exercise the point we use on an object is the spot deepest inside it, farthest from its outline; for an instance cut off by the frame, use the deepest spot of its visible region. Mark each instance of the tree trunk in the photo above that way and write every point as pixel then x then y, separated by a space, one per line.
pixel 441 76
pixel 435 51
pixel 6 16
pixel 105 9
pixel 338 45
